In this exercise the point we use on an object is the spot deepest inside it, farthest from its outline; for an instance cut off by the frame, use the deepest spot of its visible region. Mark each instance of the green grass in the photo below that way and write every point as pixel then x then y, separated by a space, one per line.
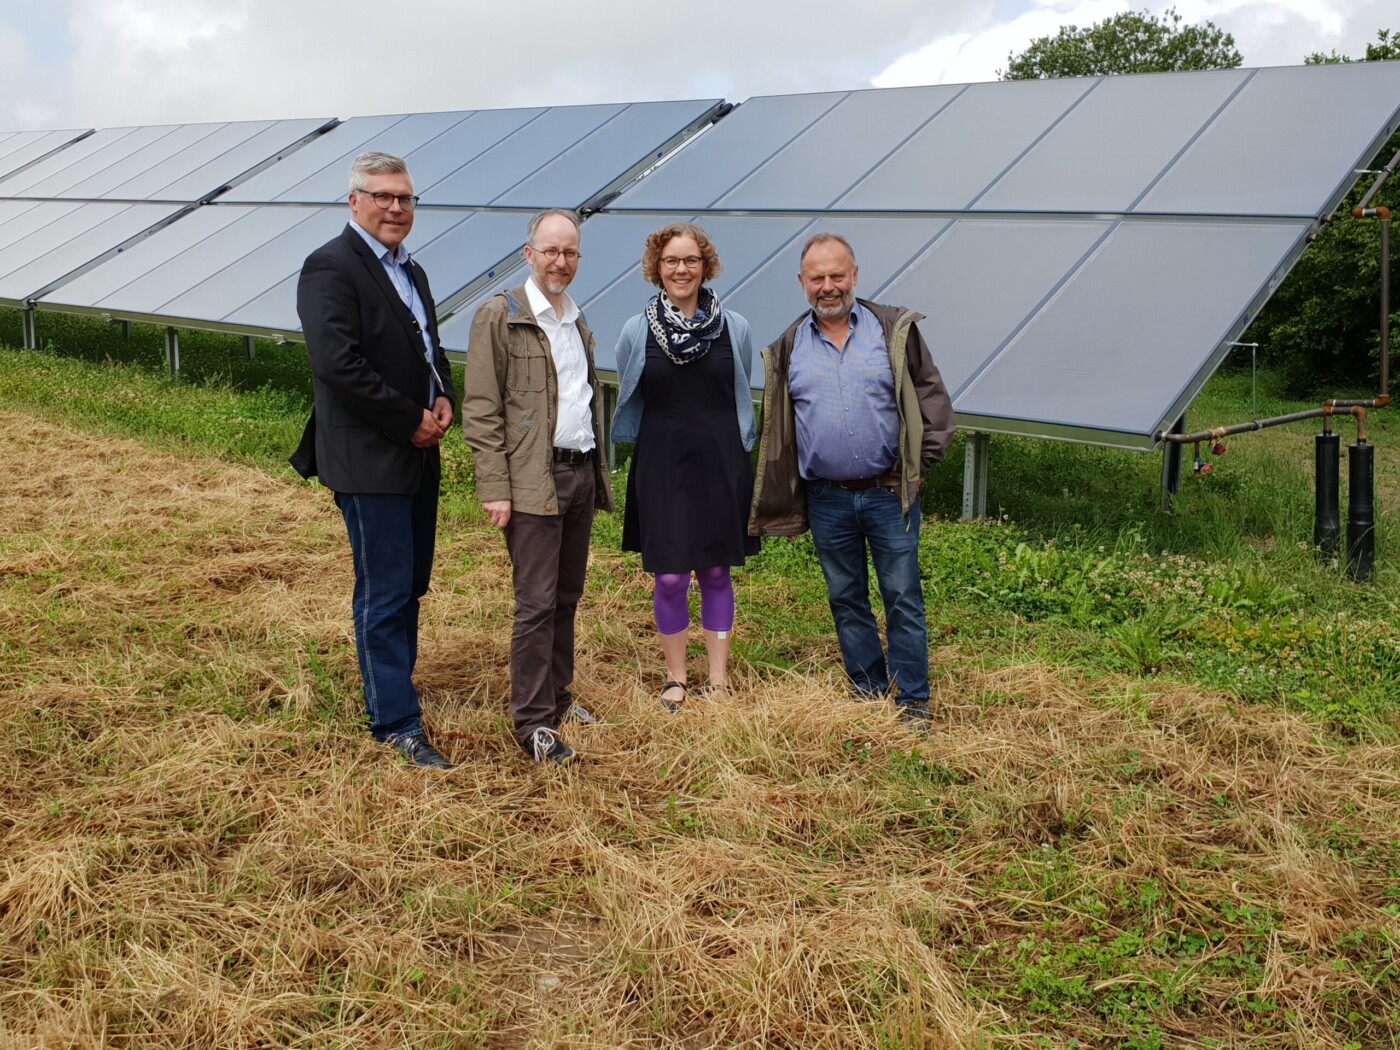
pixel 1077 565
pixel 1102 850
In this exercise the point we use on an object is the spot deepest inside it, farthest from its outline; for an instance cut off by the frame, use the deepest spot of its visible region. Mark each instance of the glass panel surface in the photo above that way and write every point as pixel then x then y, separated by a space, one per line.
pixel 1286 144
pixel 592 163
pixel 957 154
pixel 828 158
pixel 1133 327
pixel 714 162
pixel 1109 148
pixel 75 238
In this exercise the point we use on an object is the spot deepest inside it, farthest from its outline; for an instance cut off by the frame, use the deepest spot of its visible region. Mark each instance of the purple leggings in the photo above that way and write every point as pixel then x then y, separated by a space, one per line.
pixel 716 600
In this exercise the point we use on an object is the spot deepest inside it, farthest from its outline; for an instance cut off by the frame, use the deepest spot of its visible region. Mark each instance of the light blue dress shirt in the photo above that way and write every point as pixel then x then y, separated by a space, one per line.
pixel 844 401
pixel 401 277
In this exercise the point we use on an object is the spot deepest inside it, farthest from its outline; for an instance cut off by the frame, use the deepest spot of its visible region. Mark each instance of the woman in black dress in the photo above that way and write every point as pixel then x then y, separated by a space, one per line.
pixel 684 366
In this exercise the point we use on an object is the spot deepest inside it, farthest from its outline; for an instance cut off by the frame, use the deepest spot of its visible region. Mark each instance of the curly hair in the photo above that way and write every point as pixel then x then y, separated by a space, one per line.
pixel 658 239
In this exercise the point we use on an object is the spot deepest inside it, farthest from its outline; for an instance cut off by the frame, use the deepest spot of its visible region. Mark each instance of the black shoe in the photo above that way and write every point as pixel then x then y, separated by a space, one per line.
pixel 672 705
pixel 415 748
pixel 580 714
pixel 545 746
pixel 915 716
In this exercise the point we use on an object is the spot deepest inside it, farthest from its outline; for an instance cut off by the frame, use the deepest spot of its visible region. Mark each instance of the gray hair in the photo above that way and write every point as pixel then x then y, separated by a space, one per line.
pixel 823 238
pixel 374 163
pixel 534 226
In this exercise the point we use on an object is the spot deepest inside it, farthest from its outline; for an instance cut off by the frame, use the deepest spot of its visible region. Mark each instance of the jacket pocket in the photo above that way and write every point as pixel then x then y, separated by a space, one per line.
pixel 517 434
pixel 525 369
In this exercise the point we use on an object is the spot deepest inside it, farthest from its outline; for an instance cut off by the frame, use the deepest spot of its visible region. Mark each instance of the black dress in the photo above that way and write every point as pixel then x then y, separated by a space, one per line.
pixel 691 482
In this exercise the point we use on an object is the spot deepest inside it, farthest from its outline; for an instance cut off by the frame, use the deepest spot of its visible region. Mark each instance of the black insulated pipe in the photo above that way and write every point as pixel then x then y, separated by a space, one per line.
pixel 1327 517
pixel 1361 511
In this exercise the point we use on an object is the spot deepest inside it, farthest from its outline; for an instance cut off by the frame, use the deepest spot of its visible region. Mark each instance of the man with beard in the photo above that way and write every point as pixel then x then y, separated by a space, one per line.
pixel 532 414
pixel 854 415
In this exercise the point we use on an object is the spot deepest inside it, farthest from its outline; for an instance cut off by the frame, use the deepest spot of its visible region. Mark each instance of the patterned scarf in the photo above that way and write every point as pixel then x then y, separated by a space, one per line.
pixel 685 339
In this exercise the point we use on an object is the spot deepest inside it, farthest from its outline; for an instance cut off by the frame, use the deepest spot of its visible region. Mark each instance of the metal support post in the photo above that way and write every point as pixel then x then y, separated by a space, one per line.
pixel 172 349
pixel 31 335
pixel 1172 454
pixel 976 460
pixel 126 331
pixel 610 395
pixel 250 347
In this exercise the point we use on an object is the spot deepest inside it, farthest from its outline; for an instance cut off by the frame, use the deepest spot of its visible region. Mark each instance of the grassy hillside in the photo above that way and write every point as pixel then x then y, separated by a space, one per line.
pixel 1158 807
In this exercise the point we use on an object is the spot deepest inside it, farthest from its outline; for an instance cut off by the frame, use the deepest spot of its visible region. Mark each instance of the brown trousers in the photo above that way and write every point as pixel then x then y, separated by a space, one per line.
pixel 549 556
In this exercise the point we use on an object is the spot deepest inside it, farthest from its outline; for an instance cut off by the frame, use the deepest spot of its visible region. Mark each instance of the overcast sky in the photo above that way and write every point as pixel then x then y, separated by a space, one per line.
pixel 99 63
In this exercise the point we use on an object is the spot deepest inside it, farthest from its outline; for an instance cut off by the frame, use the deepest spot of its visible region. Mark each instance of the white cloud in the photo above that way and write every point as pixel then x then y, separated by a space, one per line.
pixel 109 62
pixel 1266 32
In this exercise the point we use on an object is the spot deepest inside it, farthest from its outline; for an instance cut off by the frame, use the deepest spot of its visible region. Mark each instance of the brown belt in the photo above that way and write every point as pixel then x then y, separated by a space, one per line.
pixel 888 481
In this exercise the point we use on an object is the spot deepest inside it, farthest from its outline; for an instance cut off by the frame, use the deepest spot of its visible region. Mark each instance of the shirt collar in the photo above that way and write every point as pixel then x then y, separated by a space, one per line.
pixel 382 251
pixel 540 304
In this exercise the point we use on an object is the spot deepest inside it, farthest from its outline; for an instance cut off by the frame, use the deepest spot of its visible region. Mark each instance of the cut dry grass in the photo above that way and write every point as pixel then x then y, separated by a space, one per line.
pixel 203 848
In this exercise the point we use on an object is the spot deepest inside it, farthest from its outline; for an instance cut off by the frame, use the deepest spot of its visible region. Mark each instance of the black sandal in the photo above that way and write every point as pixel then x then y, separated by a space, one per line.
pixel 672 705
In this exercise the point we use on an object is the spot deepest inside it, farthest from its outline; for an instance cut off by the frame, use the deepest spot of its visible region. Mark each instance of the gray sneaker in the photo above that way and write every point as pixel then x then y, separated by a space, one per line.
pixel 580 714
pixel 545 746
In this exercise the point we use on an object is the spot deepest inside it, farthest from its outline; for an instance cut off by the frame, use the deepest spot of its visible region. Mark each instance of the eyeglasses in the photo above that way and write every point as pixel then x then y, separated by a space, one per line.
pixel 570 256
pixel 690 262
pixel 407 201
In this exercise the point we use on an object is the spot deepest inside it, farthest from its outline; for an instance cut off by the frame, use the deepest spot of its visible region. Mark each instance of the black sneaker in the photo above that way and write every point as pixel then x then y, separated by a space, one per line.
pixel 415 748
pixel 915 716
pixel 545 746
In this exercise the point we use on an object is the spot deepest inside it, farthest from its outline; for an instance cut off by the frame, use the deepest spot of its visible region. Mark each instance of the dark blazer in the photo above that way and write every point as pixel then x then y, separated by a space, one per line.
pixel 369 370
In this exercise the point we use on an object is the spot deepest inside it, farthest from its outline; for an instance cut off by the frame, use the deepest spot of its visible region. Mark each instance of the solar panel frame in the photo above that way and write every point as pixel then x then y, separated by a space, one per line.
pixel 21 149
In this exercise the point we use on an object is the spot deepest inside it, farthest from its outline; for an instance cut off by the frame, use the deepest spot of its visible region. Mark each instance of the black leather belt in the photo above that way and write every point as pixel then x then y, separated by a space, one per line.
pixel 572 456
pixel 888 481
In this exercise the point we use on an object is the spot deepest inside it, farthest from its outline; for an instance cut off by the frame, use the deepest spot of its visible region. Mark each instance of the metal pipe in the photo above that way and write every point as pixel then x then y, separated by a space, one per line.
pixel 1363 210
pixel 1370 194
pixel 1352 408
pixel 1385 303
pixel 1382 213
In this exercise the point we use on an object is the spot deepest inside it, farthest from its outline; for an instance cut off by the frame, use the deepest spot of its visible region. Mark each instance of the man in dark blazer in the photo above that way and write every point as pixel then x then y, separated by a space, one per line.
pixel 383 401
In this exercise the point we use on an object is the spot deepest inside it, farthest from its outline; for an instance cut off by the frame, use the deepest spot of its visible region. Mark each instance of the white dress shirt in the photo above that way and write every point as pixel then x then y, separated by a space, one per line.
pixel 573 425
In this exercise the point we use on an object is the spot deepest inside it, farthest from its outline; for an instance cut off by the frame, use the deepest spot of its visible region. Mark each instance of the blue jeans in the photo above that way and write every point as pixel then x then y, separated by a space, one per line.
pixel 844 524
pixel 391 539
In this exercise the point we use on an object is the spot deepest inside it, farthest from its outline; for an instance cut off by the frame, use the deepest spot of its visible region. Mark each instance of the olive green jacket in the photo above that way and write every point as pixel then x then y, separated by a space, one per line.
pixel 509 407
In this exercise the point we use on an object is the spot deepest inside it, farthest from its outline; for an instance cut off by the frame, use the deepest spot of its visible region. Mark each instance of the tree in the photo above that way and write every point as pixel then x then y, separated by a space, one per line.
pixel 1321 329
pixel 1131 42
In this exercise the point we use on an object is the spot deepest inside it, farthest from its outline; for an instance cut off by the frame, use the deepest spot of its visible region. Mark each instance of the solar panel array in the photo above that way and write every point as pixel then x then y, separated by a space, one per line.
pixel 76 199
pixel 234 263
pixel 1084 249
